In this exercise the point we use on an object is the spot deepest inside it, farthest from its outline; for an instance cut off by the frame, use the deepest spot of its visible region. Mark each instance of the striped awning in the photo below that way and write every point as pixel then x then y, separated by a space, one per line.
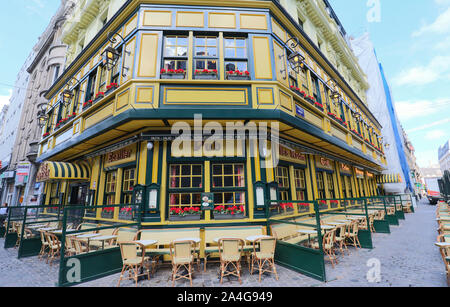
pixel 63 171
pixel 389 178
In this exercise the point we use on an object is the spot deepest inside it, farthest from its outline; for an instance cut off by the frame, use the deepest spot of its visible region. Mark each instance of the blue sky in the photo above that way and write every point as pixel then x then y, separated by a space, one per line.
pixel 21 23
pixel 412 41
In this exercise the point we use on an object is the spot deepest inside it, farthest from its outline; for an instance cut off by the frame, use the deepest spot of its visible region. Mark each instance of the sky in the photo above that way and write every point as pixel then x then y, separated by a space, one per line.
pixel 411 38
pixel 21 24
pixel 412 42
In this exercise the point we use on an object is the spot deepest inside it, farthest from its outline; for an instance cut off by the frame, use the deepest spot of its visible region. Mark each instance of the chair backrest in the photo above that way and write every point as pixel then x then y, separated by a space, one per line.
pixel 43 238
pixel 241 232
pixel 182 250
pixel 106 232
pixel 125 234
pixel 341 232
pixel 78 245
pixel 283 231
pixel 53 240
pixel 85 226
pixel 329 237
pixel 168 235
pixel 129 250
pixel 230 247
pixel 267 246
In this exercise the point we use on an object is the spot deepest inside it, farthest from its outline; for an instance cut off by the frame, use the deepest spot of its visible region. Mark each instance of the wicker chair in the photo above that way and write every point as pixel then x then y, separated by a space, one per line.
pixel 340 240
pixel 265 256
pixel 351 234
pixel 328 246
pixel 182 253
pixel 230 251
pixel 44 245
pixel 132 262
pixel 54 247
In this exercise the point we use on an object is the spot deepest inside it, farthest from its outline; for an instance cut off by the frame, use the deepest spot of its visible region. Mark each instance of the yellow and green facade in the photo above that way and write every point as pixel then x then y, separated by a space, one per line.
pixel 123 138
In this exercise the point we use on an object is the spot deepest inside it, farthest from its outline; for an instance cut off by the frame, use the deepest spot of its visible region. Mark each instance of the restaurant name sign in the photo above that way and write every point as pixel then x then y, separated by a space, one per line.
pixel 292 155
pixel 345 168
pixel 323 163
pixel 359 173
pixel 118 155
pixel 43 173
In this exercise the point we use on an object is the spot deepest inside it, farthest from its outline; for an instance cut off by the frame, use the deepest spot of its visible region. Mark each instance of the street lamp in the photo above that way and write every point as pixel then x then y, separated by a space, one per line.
pixel 66 97
pixel 295 59
pixel 42 119
pixel 111 55
pixel 335 95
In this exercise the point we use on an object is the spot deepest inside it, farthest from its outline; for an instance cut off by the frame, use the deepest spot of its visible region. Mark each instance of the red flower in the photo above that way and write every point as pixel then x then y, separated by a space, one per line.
pixel 163 71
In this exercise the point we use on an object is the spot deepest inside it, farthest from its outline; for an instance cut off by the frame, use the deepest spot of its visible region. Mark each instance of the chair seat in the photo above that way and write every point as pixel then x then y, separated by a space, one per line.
pixel 211 249
pixel 231 258
pixel 158 251
pixel 133 261
pixel 260 255
pixel 294 240
pixel 327 246
pixel 183 260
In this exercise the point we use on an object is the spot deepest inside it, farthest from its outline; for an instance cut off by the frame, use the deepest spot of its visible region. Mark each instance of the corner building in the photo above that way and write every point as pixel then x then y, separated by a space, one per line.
pixel 116 132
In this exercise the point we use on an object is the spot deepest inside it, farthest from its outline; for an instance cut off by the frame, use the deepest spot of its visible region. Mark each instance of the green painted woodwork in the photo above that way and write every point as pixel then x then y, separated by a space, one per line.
pixel 2 231
pixel 381 226
pixel 304 260
pixel 400 215
pixel 10 240
pixel 392 220
pixel 29 247
pixel 365 238
pixel 93 266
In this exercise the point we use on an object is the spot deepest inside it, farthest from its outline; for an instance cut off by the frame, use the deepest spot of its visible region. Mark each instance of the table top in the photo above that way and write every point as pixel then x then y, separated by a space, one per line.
pixel 196 240
pixel 336 223
pixel 147 242
pixel 47 229
pixel 327 227
pixel 218 239
pixel 88 236
pixel 442 244
pixel 35 226
pixel 344 221
pixel 307 231
pixel 104 238
pixel 257 237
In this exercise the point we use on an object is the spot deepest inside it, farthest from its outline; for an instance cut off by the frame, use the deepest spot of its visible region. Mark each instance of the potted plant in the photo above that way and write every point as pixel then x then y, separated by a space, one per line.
pixel 230 213
pixel 107 213
pixel 303 207
pixel 323 205
pixel 238 75
pixel 319 105
pixel 87 105
pixel 126 213
pixel 99 96
pixel 47 134
pixel 298 91
pixel 287 207
pixel 205 74
pixel 185 214
pixel 113 86
pixel 311 99
pixel 173 74
pixel 334 203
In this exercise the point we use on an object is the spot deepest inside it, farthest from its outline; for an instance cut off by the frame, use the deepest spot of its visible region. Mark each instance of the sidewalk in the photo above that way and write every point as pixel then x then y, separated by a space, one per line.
pixel 407 257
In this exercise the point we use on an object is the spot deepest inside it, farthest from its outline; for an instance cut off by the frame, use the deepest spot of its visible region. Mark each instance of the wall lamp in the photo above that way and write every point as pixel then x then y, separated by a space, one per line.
pixel 295 59
pixel 335 95
pixel 67 94
pixel 111 55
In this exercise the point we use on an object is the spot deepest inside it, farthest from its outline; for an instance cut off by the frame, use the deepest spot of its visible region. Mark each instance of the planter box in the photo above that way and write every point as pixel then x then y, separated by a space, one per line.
pixel 173 76
pixel 97 99
pixel 126 216
pixel 107 215
pixel 237 77
pixel 205 77
pixel 176 218
pixel 229 216
pixel 112 89
pixel 318 107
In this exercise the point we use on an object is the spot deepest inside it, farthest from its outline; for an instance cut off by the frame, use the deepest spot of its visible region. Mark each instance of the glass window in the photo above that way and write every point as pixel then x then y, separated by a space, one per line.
pixel 186 176
pixel 206 54
pixel 330 182
pixel 282 177
pixel 90 95
pixel 300 184
pixel 129 181
pixel 102 81
pixel 320 185
pixel 175 52
pixel 316 89
pixel 115 71
pixel 236 57
pixel 228 176
pixel 110 188
pixel 54 194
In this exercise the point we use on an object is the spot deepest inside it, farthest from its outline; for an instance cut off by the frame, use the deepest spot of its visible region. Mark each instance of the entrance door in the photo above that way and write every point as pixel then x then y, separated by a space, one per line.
pixel 78 194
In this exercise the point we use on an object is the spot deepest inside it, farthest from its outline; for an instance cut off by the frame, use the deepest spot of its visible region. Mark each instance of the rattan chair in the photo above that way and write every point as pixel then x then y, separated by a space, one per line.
pixel 182 254
pixel 79 245
pixel 264 257
pixel 328 242
pixel 133 262
pixel 44 245
pixel 340 239
pixel 230 251
pixel 371 221
pixel 54 247
pixel 351 234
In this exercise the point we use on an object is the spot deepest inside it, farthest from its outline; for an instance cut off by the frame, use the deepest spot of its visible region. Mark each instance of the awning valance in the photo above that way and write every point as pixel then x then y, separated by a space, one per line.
pixel 389 178
pixel 63 171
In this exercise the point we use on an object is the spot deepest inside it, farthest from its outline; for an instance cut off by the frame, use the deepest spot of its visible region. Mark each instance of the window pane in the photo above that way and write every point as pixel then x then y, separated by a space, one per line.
pixel 212 42
pixel 200 51
pixel 197 170
pixel 212 52
pixel 200 65
pixel 229 42
pixel 217 182
pixel 228 169
pixel 182 41
pixel 228 181
pixel 171 41
pixel 212 64
pixel 185 182
pixel 185 199
pixel 170 51
pixel 242 66
pixel 240 53
pixel 229 53
pixel 168 64
pixel 182 51
pixel 196 182
pixel 230 66
pixel 200 41
pixel 186 170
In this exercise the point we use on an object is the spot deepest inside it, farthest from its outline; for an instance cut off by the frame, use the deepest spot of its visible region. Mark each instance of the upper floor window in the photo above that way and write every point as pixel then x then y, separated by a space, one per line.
pixel 236 56
pixel 206 54
pixel 90 94
pixel 176 52
pixel 103 76
pixel 316 89
pixel 115 71
pixel 56 74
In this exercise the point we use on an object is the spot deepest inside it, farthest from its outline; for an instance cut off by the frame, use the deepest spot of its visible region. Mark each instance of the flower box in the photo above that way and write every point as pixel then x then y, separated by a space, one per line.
pixel 229 216
pixel 45 135
pixel 173 76
pixel 190 217
pixel 87 105
pixel 107 215
pixel 111 87
pixel 98 97
pixel 238 75
pixel 205 74
pixel 298 91
pixel 319 106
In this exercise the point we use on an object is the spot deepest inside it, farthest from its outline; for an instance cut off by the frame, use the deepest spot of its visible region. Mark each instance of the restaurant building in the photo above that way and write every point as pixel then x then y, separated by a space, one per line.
pixel 114 121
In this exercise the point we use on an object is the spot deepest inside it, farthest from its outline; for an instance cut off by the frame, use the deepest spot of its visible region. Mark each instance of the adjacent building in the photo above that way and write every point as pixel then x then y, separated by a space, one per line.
pixel 140 73
pixel 45 67
pixel 397 177
pixel 8 132
pixel 444 157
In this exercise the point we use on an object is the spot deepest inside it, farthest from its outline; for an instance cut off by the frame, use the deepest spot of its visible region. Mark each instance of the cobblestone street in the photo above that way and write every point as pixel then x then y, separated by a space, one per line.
pixel 408 257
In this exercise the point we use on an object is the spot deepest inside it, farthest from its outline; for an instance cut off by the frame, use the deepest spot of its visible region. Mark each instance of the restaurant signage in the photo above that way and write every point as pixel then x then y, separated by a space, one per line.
pixel 300 111
pixel 324 164
pixel 118 155
pixel 22 173
pixel 359 173
pixel 345 168
pixel 43 173
pixel 292 155
pixel 369 175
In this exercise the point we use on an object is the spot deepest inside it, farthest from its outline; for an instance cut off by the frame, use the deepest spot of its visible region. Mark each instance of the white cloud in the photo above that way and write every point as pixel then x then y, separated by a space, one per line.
pixel 4 99
pixel 435 134
pixel 437 68
pixel 433 124
pixel 440 25
pixel 427 157
pixel 407 110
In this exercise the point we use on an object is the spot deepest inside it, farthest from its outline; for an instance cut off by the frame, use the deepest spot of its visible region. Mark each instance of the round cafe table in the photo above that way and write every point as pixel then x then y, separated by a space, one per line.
pixel 308 232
